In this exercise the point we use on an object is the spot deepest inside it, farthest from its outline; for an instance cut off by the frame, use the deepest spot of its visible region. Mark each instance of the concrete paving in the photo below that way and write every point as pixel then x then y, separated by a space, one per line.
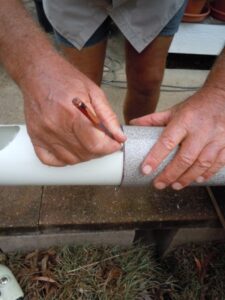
pixel 19 209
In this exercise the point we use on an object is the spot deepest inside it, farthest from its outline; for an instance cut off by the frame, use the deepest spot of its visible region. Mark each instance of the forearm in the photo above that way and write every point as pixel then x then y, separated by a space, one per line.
pixel 216 78
pixel 23 46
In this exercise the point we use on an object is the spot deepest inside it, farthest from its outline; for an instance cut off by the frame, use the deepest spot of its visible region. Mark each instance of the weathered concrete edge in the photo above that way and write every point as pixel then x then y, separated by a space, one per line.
pixel 45 240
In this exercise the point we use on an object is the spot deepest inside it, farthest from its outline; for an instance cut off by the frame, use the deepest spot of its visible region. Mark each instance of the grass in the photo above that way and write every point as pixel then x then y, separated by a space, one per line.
pixel 200 271
pixel 190 272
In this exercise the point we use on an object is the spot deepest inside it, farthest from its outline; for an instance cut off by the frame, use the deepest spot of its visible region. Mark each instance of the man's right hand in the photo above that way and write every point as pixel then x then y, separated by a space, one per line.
pixel 60 133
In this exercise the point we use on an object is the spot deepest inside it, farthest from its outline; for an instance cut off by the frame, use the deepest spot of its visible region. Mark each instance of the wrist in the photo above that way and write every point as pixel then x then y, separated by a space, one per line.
pixel 33 67
pixel 212 96
pixel 214 89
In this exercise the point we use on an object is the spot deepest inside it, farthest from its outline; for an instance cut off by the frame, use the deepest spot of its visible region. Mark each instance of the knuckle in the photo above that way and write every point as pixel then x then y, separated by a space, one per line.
pixel 185 160
pixel 94 149
pixel 48 124
pixel 111 117
pixel 203 163
pixel 168 142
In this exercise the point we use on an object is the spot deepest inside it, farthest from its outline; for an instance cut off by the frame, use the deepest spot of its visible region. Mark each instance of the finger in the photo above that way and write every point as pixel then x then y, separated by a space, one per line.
pixel 59 144
pixel 169 139
pixel 64 155
pixel 46 157
pixel 98 144
pixel 92 140
pixel 204 162
pixel 155 119
pixel 183 160
pixel 106 115
pixel 218 164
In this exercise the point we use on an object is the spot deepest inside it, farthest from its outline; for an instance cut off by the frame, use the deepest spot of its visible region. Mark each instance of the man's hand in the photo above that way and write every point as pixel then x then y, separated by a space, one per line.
pixel 198 126
pixel 60 133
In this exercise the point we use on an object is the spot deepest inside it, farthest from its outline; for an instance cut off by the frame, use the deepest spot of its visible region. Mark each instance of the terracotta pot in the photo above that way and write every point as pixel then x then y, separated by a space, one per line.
pixel 219 5
pixel 196 17
pixel 218 9
pixel 195 6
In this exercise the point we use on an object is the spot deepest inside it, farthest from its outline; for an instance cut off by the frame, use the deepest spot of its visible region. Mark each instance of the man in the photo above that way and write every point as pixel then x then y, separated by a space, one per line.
pixel 61 135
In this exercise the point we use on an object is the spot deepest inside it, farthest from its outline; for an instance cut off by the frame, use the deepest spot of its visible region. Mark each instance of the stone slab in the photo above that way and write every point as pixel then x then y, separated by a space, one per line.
pixel 19 209
pixel 131 207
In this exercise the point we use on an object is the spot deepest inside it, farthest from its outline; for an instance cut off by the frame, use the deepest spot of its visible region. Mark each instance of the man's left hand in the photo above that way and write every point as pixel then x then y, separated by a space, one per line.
pixel 198 126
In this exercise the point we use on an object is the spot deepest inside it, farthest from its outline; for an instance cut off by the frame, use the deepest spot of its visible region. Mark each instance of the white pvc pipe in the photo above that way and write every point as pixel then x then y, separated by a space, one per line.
pixel 19 164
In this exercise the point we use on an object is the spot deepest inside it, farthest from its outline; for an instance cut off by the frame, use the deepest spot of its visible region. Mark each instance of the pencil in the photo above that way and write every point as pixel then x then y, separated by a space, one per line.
pixel 90 115
pixel 86 111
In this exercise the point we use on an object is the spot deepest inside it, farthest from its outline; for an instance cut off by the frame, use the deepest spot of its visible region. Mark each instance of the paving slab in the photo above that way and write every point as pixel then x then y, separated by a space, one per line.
pixel 134 207
pixel 20 208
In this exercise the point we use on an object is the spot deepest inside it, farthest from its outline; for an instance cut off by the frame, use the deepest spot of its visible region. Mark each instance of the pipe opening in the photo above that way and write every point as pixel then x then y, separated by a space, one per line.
pixel 7 135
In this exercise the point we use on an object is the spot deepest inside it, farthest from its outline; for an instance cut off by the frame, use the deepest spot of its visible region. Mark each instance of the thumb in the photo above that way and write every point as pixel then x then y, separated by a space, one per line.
pixel 155 119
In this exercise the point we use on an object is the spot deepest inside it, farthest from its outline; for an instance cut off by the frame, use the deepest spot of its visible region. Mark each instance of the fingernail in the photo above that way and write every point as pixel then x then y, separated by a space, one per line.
pixel 177 186
pixel 200 179
pixel 147 169
pixel 160 185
